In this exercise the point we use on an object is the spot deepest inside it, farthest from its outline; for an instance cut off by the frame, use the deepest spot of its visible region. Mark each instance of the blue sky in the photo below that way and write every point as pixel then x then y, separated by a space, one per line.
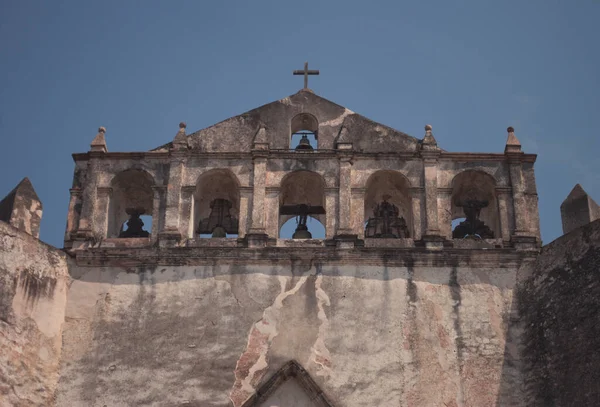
pixel 140 67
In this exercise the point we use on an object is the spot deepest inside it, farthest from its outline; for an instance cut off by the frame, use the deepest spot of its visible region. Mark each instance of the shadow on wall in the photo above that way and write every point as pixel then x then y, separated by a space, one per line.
pixel 559 308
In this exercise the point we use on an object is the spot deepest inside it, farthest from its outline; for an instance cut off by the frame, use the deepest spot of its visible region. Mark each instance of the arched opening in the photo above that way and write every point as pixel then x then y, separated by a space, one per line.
pixel 316 228
pixel 388 208
pixel 304 132
pixel 474 206
pixel 217 204
pixel 302 197
pixel 131 204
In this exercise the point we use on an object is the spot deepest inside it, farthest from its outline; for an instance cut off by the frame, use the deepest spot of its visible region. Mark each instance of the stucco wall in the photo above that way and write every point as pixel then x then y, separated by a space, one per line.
pixel 379 335
pixel 33 295
pixel 560 308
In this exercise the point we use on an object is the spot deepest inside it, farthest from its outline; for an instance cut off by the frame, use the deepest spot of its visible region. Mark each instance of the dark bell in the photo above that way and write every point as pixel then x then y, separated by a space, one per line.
pixel 302 233
pixel 219 232
pixel 304 143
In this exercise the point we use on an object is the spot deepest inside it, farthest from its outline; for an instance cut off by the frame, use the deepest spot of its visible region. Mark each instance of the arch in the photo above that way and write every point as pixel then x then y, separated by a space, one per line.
pixel 211 187
pixel 471 185
pixel 392 187
pixel 131 197
pixel 304 124
pixel 316 227
pixel 302 187
pixel 292 370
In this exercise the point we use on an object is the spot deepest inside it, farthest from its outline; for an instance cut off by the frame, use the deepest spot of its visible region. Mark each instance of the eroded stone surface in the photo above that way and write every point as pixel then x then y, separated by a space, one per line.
pixel 33 295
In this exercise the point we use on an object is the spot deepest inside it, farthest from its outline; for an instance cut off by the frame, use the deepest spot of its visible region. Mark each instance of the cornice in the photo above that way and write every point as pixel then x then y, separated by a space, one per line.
pixel 396 257
pixel 316 155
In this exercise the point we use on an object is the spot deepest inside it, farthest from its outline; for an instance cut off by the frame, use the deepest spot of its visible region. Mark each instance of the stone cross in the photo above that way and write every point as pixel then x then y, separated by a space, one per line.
pixel 306 72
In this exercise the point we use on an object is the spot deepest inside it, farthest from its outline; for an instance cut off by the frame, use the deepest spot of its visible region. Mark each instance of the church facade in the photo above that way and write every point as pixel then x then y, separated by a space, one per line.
pixel 410 297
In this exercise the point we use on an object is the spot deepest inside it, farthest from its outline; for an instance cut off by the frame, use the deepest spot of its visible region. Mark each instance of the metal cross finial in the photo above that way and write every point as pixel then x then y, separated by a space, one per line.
pixel 306 72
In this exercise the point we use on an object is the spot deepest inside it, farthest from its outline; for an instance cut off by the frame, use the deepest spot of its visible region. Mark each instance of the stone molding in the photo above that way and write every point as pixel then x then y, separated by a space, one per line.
pixel 104 191
pixel 395 256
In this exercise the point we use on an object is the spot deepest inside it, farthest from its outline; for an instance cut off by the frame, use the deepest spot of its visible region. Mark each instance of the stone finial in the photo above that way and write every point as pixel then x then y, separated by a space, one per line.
pixel 22 208
pixel 180 140
pixel 578 209
pixel 512 143
pixel 99 142
pixel 429 142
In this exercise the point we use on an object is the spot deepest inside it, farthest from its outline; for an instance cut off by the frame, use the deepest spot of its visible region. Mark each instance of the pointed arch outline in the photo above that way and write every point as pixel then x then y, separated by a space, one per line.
pixel 291 369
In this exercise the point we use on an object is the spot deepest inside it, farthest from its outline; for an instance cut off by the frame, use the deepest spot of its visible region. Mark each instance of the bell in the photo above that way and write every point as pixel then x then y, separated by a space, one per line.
pixel 219 231
pixel 302 233
pixel 304 143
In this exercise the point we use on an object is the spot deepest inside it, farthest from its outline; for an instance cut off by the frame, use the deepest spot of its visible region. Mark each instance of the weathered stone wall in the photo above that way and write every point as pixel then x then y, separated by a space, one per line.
pixel 33 296
pixel 411 329
pixel 560 308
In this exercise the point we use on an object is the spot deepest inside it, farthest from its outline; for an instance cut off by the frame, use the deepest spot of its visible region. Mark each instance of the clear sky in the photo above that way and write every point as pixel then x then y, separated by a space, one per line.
pixel 470 69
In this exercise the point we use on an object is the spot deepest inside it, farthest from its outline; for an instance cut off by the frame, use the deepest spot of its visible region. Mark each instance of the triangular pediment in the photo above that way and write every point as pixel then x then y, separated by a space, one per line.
pixel 290 385
pixel 237 133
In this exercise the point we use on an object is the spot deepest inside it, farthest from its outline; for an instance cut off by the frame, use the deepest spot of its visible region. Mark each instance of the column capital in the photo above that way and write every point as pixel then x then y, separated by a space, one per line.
pixel 430 156
pixel 104 191
pixel 345 158
pixel 258 155
pixel 503 190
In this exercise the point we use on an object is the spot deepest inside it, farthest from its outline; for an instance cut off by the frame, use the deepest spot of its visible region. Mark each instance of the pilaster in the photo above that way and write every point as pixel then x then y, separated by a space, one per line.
pixel 187 220
pixel 430 153
pixel 85 231
pixel 503 196
pixel 257 222
pixel 417 195
pixel 158 210
pixel 331 209
pixel 172 231
pixel 73 215
pixel 101 215
pixel 344 213
pixel 257 232
pixel 244 215
pixel 358 211
pixel 445 212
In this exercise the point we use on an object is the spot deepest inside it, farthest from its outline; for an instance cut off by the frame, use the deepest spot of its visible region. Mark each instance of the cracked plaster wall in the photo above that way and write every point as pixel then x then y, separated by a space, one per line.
pixel 368 335
pixel 33 296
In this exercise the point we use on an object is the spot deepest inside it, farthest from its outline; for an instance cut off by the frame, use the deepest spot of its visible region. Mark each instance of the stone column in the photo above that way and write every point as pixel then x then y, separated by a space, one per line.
pixel 430 153
pixel 244 213
pixel 85 230
pixel 431 196
pixel 358 212
pixel 102 207
pixel 523 238
pixel 172 230
pixel 445 212
pixel 257 223
pixel 158 210
pixel 331 209
pixel 186 220
pixel 417 199
pixel 272 211
pixel 345 196
pixel 73 215
pixel 518 195
pixel 503 196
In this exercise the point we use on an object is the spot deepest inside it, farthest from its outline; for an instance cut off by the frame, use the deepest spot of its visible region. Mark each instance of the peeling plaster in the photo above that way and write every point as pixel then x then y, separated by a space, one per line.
pixel 321 355
pixel 252 364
